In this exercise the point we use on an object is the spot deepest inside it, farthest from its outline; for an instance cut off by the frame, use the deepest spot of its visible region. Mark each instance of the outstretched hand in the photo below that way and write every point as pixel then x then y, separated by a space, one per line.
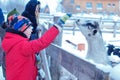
pixel 61 21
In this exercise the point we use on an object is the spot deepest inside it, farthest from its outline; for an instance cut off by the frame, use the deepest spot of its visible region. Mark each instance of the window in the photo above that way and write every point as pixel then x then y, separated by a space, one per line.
pixel 113 5
pixel 109 5
pixel 78 7
pixel 88 5
pixel 72 1
pixel 99 6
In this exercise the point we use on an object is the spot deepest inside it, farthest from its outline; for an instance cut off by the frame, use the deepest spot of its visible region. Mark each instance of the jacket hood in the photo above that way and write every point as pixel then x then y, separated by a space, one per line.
pixel 12 38
pixel 31 6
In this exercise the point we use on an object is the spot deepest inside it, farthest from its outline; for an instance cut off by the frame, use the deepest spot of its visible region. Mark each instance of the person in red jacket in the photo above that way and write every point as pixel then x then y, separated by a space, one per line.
pixel 20 50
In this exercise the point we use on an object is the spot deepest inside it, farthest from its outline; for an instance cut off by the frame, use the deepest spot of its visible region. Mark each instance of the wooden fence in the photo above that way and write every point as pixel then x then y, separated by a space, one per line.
pixel 80 68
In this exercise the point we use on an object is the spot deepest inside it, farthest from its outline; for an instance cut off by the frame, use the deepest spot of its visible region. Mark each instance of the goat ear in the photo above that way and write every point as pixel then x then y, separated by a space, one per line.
pixel 96 24
pixel 94 32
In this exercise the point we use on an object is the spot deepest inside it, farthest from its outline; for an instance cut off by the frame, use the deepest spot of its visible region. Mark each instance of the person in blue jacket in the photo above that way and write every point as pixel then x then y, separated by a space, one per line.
pixel 1 17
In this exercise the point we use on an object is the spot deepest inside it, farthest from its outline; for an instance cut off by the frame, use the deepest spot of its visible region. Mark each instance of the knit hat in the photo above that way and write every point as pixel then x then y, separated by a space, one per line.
pixel 13 12
pixel 19 23
pixel 31 6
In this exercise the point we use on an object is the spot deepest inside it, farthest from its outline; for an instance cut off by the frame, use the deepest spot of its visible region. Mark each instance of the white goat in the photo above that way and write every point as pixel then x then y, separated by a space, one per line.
pixel 96 46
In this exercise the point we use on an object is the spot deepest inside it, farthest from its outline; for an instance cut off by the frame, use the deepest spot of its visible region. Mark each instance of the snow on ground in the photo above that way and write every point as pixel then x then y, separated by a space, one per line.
pixel 1 75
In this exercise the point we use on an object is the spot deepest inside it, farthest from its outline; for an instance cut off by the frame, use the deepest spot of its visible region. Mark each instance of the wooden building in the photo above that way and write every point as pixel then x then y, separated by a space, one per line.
pixel 94 6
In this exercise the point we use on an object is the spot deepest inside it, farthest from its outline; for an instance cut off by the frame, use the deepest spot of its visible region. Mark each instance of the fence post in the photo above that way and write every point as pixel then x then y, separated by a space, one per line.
pixel 58 39
pixel 53 73
pixel 54 68
pixel 114 29
pixel 46 67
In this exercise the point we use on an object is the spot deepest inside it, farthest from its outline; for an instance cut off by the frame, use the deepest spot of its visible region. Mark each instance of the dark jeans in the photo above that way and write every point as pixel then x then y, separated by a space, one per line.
pixel 34 36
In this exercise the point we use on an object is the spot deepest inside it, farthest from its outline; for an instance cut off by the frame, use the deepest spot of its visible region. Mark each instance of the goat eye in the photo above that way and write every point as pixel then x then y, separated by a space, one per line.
pixel 89 27
pixel 78 20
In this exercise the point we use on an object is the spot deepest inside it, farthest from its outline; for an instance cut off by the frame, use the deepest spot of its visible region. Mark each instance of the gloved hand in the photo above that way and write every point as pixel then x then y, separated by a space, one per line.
pixel 63 19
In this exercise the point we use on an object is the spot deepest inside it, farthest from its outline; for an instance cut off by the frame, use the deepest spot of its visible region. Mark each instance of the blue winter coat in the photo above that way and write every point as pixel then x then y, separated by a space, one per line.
pixel 1 17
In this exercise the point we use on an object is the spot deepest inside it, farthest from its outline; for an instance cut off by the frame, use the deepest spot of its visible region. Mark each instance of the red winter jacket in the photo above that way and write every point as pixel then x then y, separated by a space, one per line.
pixel 20 53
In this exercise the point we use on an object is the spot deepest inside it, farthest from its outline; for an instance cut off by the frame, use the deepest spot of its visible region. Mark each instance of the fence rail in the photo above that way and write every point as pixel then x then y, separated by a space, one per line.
pixel 44 16
pixel 70 23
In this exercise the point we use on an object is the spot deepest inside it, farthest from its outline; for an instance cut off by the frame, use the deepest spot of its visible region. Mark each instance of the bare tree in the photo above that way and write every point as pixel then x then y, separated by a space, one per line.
pixel 2 6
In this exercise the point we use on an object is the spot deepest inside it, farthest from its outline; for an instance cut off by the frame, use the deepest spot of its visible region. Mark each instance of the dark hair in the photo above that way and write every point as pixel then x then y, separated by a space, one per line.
pixel 31 6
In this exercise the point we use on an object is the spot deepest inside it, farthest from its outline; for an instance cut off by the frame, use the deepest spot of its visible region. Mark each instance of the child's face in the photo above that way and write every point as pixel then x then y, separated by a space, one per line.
pixel 37 11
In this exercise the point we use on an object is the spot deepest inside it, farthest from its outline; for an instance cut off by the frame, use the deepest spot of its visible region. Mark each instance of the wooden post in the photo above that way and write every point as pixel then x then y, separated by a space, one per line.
pixel 58 39
pixel 46 67
pixel 54 69
pixel 114 29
